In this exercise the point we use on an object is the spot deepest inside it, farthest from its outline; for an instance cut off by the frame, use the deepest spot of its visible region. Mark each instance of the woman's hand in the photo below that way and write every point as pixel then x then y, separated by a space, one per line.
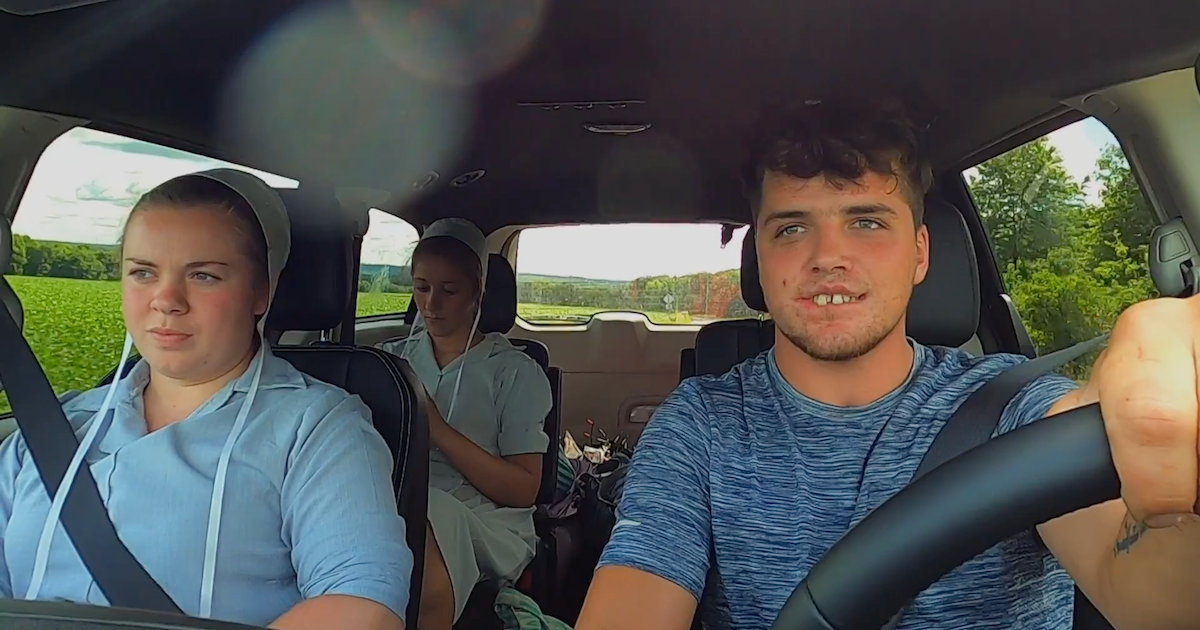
pixel 508 481
pixel 438 428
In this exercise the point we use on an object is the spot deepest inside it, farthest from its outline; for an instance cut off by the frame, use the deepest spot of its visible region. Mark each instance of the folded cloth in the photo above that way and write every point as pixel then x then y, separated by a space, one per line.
pixel 519 612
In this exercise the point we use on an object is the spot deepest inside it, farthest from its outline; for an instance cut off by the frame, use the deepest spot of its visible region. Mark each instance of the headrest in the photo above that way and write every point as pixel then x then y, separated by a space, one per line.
pixel 499 298
pixel 752 293
pixel 315 287
pixel 944 309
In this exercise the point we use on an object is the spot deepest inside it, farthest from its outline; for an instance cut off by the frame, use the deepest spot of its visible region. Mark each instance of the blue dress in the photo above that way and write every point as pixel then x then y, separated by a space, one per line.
pixel 308 508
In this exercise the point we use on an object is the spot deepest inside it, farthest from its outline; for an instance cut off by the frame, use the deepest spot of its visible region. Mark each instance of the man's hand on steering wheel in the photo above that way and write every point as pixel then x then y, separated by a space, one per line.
pixel 1146 382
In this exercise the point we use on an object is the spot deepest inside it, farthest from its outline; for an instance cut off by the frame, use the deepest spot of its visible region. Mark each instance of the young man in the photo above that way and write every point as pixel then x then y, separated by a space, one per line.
pixel 757 473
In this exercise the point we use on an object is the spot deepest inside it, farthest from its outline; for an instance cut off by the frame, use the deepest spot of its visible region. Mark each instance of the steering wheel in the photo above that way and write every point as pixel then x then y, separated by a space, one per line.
pixel 960 509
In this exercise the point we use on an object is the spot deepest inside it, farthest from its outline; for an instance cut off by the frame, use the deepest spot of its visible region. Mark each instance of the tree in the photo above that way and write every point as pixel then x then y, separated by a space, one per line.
pixel 1070 267
pixel 20 254
pixel 1123 222
pixel 32 257
pixel 1026 199
pixel 75 261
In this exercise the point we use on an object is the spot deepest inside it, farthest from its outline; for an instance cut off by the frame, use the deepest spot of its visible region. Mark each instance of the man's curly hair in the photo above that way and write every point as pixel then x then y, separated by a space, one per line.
pixel 842 143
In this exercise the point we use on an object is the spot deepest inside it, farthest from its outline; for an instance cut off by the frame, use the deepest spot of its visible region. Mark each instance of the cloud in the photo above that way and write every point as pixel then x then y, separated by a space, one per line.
pixel 1080 145
pixel 126 195
pixel 389 240
pixel 86 181
pixel 135 147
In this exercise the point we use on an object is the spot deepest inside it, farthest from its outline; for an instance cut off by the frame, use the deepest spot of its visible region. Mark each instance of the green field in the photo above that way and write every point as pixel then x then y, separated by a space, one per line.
pixel 384 303
pixel 76 330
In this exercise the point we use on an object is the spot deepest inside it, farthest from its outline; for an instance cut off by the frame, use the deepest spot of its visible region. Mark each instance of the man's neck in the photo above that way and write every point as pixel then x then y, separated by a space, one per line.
pixel 167 400
pixel 851 383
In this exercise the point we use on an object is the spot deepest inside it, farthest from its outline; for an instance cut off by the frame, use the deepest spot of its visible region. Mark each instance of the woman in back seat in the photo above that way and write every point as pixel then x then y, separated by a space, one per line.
pixel 249 491
pixel 486 432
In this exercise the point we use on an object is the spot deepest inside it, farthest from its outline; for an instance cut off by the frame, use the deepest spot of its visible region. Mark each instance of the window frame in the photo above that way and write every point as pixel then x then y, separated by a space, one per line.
pixel 391 315
pixel 998 324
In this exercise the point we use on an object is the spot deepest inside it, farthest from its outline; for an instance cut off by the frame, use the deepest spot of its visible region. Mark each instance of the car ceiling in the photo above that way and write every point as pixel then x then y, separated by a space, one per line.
pixel 379 93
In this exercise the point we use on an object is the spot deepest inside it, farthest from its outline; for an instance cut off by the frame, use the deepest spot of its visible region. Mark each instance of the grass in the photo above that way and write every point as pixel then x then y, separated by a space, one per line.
pixel 384 303
pixel 549 312
pixel 75 326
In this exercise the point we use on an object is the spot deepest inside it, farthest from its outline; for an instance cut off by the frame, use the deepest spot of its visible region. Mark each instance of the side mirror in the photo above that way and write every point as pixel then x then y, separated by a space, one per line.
pixel 1173 259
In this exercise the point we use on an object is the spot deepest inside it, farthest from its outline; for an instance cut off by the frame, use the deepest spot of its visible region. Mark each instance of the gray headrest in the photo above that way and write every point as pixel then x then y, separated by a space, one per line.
pixel 319 279
pixel 752 293
pixel 944 309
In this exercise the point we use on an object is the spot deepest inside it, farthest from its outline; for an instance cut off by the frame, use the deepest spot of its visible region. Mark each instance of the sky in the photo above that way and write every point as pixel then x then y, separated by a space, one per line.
pixel 86 181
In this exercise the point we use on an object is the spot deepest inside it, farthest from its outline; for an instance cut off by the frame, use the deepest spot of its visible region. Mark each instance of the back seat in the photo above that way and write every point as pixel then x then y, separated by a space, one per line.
pixel 944 309
pixel 499 315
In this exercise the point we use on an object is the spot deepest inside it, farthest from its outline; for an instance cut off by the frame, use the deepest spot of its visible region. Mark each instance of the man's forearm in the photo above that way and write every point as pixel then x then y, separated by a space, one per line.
pixel 1149 577
pixel 338 611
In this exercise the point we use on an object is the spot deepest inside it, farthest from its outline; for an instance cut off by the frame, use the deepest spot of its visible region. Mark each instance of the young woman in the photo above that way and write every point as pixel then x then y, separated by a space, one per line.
pixel 486 431
pixel 249 491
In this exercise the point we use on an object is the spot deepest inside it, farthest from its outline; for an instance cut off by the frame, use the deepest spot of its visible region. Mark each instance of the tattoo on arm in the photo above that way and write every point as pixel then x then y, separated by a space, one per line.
pixel 1132 531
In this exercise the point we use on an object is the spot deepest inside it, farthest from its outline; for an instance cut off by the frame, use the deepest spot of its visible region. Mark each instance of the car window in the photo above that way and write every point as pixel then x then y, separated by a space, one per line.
pixel 384 275
pixel 671 273
pixel 66 228
pixel 1070 230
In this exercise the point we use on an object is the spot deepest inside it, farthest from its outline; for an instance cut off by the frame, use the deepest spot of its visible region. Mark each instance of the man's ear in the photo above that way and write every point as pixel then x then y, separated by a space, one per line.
pixel 922 255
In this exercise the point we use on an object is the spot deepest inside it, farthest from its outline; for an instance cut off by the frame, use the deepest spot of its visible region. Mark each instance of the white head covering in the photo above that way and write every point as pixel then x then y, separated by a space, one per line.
pixel 466 232
pixel 273 219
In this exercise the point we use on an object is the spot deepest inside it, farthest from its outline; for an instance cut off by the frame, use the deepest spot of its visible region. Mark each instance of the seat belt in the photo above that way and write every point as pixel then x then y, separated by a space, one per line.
pixel 52 443
pixel 976 420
